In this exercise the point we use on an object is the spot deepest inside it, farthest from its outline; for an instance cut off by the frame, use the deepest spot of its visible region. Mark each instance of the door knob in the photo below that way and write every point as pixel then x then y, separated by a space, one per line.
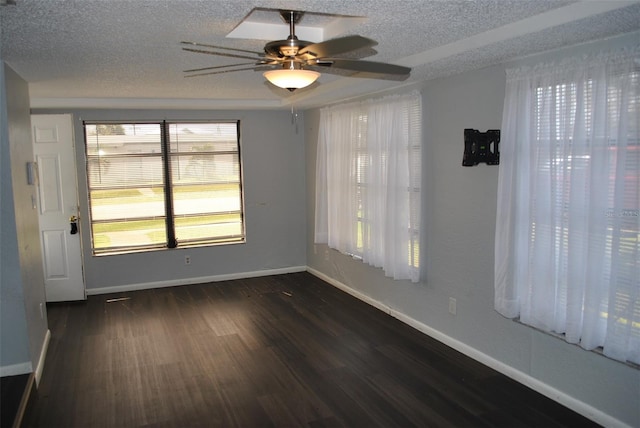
pixel 73 221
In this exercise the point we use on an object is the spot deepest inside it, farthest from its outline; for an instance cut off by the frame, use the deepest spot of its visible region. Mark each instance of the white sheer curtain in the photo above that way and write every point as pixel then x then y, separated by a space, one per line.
pixel 567 255
pixel 368 182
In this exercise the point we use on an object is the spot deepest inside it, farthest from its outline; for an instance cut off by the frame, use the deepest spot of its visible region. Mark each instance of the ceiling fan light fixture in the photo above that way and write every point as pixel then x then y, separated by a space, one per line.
pixel 291 79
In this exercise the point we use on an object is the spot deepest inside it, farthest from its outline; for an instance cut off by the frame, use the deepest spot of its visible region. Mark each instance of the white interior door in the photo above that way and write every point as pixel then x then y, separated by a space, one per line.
pixel 57 185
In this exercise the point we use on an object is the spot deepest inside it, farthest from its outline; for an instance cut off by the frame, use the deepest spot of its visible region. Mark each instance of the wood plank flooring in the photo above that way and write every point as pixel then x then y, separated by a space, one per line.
pixel 12 391
pixel 279 351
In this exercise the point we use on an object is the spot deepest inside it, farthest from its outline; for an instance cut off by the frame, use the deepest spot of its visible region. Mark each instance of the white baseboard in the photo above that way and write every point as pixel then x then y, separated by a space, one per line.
pixel 27 367
pixel 43 355
pixel 566 400
pixel 15 369
pixel 197 280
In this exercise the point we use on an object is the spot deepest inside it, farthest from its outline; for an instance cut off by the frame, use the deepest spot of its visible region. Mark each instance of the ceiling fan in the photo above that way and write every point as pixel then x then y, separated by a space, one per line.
pixel 293 64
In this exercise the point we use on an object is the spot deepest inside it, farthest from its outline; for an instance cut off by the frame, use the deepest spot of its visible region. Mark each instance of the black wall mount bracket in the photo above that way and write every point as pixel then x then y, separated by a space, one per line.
pixel 481 147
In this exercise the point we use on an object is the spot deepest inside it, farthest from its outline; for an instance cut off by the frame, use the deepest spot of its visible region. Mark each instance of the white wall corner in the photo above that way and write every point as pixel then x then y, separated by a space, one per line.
pixel 43 356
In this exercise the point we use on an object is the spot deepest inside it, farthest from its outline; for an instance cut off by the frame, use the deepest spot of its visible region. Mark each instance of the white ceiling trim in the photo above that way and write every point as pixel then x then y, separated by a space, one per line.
pixel 269 25
pixel 265 31
pixel 543 21
pixel 155 103
pixel 573 12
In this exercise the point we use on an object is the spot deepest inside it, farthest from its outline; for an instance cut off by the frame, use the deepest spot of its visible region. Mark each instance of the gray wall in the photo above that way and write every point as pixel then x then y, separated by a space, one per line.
pixel 274 191
pixel 23 324
pixel 459 219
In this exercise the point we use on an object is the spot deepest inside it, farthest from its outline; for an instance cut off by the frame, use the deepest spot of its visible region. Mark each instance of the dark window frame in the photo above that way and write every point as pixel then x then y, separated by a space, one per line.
pixel 167 155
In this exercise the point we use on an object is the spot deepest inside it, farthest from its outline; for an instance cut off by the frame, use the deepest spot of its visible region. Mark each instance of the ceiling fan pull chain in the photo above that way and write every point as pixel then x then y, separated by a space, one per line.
pixel 294 117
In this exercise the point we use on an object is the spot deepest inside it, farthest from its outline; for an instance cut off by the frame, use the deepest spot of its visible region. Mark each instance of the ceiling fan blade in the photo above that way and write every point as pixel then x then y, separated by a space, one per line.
pixel 256 68
pixel 369 67
pixel 224 54
pixel 218 66
pixel 203 45
pixel 337 46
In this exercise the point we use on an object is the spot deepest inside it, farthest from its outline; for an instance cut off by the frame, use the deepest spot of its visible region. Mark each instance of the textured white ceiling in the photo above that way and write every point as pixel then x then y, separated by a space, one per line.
pixel 126 53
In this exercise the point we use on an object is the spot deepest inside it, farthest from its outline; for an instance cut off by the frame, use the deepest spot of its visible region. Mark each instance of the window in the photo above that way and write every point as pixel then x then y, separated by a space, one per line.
pixel 163 185
pixel 368 179
pixel 568 223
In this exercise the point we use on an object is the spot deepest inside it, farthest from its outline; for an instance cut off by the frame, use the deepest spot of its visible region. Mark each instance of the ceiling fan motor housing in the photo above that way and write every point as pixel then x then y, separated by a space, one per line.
pixel 288 48
pixel 285 48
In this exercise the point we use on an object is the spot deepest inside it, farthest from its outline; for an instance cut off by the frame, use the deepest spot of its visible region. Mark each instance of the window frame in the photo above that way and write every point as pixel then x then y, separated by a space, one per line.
pixel 565 193
pixel 167 156
pixel 362 222
pixel 567 93
pixel 344 154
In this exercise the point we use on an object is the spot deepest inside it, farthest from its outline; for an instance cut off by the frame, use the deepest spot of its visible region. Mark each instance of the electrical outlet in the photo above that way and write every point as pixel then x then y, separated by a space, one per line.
pixel 41 310
pixel 326 254
pixel 187 260
pixel 452 306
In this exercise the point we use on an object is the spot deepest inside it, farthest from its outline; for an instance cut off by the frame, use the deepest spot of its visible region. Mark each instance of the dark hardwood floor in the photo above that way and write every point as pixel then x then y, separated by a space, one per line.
pixel 12 391
pixel 287 350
